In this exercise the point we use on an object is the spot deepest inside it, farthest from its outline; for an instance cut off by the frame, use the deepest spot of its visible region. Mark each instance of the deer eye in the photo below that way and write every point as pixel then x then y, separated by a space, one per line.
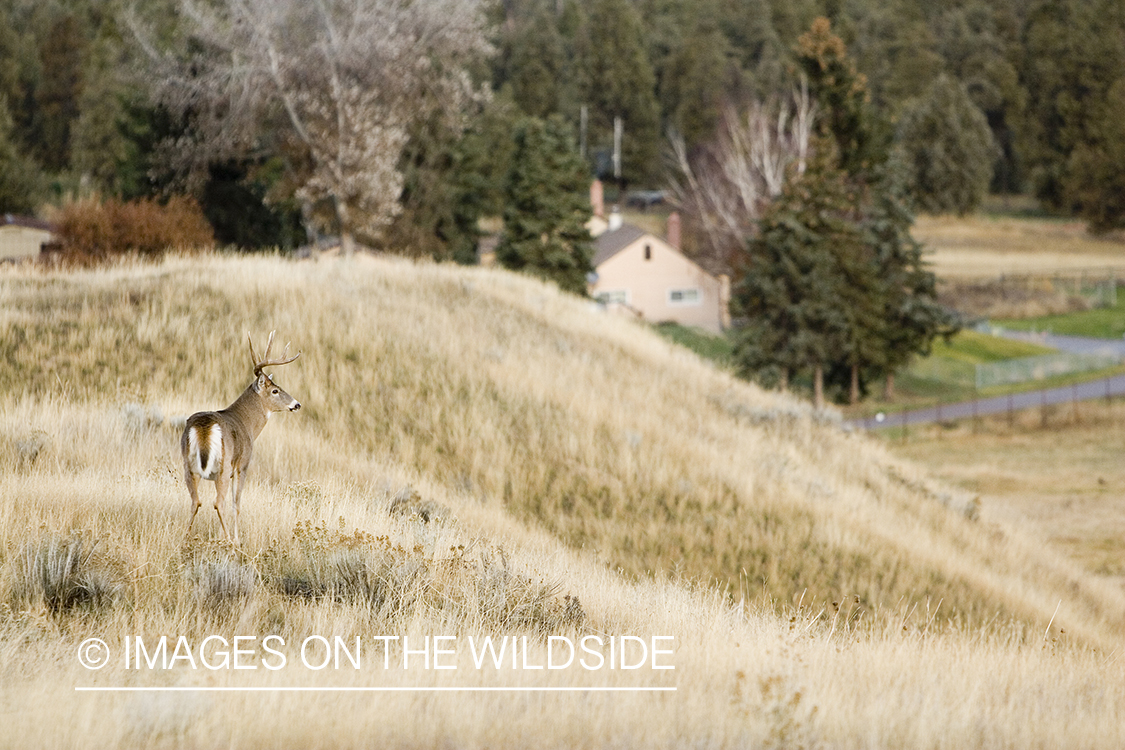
pixel 275 391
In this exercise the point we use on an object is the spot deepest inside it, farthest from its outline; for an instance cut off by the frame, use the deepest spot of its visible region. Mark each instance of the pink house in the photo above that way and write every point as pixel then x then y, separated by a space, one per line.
pixel 645 274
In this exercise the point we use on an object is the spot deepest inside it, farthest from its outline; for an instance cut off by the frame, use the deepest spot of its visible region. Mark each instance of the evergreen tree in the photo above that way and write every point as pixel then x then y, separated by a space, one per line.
pixel 911 315
pixel 1073 55
pixel 533 62
pixel 1095 175
pixel 893 45
pixel 807 291
pixel 59 92
pixel 979 43
pixel 840 91
pixel 98 143
pixel 617 80
pixel 834 283
pixel 948 149
pixel 694 73
pixel 755 42
pixel 547 206
pixel 21 183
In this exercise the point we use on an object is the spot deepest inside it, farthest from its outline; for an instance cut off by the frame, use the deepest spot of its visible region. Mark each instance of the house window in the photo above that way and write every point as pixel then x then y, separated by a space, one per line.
pixel 685 297
pixel 613 297
pixel 648 252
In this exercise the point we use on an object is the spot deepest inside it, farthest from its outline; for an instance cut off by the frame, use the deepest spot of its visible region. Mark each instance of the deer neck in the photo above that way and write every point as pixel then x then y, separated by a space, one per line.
pixel 249 409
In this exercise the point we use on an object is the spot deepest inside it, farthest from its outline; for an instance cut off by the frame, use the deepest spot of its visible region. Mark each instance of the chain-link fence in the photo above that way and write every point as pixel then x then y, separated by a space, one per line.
pixel 1024 369
pixel 1009 371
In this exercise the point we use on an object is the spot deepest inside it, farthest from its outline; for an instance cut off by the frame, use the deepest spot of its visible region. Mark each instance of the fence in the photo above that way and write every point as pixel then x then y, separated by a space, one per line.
pixel 1009 371
pixel 1023 369
pixel 1107 388
pixel 1097 285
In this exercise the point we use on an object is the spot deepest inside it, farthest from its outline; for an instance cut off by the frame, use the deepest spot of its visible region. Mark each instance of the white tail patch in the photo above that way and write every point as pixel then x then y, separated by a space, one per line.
pixel 212 453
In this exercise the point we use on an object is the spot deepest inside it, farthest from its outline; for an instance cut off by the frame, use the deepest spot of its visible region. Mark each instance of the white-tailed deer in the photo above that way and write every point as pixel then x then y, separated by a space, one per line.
pixel 217 445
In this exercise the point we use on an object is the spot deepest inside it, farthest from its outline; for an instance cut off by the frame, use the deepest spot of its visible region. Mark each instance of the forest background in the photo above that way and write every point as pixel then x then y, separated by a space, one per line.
pixel 81 112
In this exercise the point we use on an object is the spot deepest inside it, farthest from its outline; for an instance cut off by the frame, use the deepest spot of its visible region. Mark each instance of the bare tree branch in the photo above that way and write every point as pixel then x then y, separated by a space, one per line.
pixel 345 77
pixel 724 187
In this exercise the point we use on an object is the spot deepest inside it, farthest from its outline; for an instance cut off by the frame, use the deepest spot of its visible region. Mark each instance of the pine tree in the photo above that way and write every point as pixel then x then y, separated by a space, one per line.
pixel 841 93
pixel 1095 178
pixel 1073 55
pixel 21 182
pixel 547 205
pixel 533 62
pixel 948 149
pixel 617 80
pixel 808 289
pixel 57 97
pixel 912 317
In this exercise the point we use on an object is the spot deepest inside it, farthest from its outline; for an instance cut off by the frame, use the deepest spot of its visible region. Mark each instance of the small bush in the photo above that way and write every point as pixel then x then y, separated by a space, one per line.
pixel 64 573
pixel 397 583
pixel 92 232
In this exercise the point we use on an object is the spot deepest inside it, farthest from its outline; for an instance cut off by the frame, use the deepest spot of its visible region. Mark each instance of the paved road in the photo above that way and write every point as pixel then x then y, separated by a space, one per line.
pixel 1104 388
pixel 1068 344
pixel 1114 386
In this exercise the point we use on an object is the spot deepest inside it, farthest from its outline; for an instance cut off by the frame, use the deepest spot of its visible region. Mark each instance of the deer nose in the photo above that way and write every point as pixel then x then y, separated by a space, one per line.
pixel 295 406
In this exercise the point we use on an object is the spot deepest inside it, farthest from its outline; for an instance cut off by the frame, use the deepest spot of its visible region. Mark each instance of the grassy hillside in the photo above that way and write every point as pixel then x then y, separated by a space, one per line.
pixel 478 454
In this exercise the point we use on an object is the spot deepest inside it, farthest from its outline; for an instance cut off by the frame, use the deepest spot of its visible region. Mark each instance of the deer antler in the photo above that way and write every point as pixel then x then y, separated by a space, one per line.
pixel 265 361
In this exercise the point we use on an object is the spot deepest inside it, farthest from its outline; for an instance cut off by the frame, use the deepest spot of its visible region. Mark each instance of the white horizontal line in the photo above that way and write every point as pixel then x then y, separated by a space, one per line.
pixel 376 689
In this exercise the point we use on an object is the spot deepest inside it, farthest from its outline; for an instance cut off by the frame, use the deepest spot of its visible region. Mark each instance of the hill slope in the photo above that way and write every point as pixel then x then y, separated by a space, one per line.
pixel 464 422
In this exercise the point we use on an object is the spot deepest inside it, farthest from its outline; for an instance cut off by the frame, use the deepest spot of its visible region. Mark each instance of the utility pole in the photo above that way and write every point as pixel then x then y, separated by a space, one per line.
pixel 583 116
pixel 618 129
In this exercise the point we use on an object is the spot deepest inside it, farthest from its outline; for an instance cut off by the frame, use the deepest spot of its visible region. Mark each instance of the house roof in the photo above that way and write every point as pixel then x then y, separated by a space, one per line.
pixel 25 221
pixel 609 244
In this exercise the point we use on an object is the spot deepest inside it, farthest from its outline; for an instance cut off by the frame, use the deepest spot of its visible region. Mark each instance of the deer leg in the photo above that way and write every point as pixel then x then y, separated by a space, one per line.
pixel 220 495
pixel 239 480
pixel 193 490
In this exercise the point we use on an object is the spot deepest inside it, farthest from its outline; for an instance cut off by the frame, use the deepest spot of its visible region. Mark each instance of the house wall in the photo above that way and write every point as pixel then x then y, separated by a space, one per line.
pixel 20 243
pixel 648 283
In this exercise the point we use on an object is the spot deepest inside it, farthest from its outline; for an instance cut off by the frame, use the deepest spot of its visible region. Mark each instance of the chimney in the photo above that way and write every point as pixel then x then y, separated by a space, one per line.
pixel 614 219
pixel 724 302
pixel 674 230
pixel 597 198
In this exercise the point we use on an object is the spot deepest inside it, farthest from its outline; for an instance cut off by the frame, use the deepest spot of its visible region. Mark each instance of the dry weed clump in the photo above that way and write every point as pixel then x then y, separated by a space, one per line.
pixel 219 580
pixel 64 574
pixel 997 299
pixel 398 583
pixel 91 232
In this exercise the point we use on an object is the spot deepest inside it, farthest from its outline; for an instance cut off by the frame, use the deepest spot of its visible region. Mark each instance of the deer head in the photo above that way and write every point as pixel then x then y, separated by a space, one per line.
pixel 273 397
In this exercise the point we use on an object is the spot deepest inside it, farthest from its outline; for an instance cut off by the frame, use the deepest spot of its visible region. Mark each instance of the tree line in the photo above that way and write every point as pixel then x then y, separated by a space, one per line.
pixel 796 136
pixel 1007 95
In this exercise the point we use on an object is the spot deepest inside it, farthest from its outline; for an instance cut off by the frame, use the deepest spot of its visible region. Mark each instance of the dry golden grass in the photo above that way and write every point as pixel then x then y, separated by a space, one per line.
pixel 1060 478
pixel 984 247
pixel 505 462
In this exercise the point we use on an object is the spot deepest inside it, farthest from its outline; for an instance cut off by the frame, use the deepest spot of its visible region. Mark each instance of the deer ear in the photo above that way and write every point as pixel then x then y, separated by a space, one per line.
pixel 258 386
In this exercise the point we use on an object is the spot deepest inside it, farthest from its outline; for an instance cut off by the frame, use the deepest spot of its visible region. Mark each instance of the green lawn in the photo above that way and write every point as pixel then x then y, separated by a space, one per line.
pixel 1102 323
pixel 717 348
pixel 977 348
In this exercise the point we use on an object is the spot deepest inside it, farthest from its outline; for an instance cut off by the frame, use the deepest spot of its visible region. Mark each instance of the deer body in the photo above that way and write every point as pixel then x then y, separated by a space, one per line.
pixel 218 445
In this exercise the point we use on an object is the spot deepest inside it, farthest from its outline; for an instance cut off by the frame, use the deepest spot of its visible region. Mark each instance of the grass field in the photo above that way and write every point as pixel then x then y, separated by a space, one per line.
pixel 1102 323
pixel 479 455
pixel 1057 475
pixel 986 246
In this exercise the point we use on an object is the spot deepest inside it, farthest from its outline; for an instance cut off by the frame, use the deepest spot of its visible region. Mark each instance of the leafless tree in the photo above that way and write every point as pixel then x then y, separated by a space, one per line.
pixel 343 79
pixel 724 186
